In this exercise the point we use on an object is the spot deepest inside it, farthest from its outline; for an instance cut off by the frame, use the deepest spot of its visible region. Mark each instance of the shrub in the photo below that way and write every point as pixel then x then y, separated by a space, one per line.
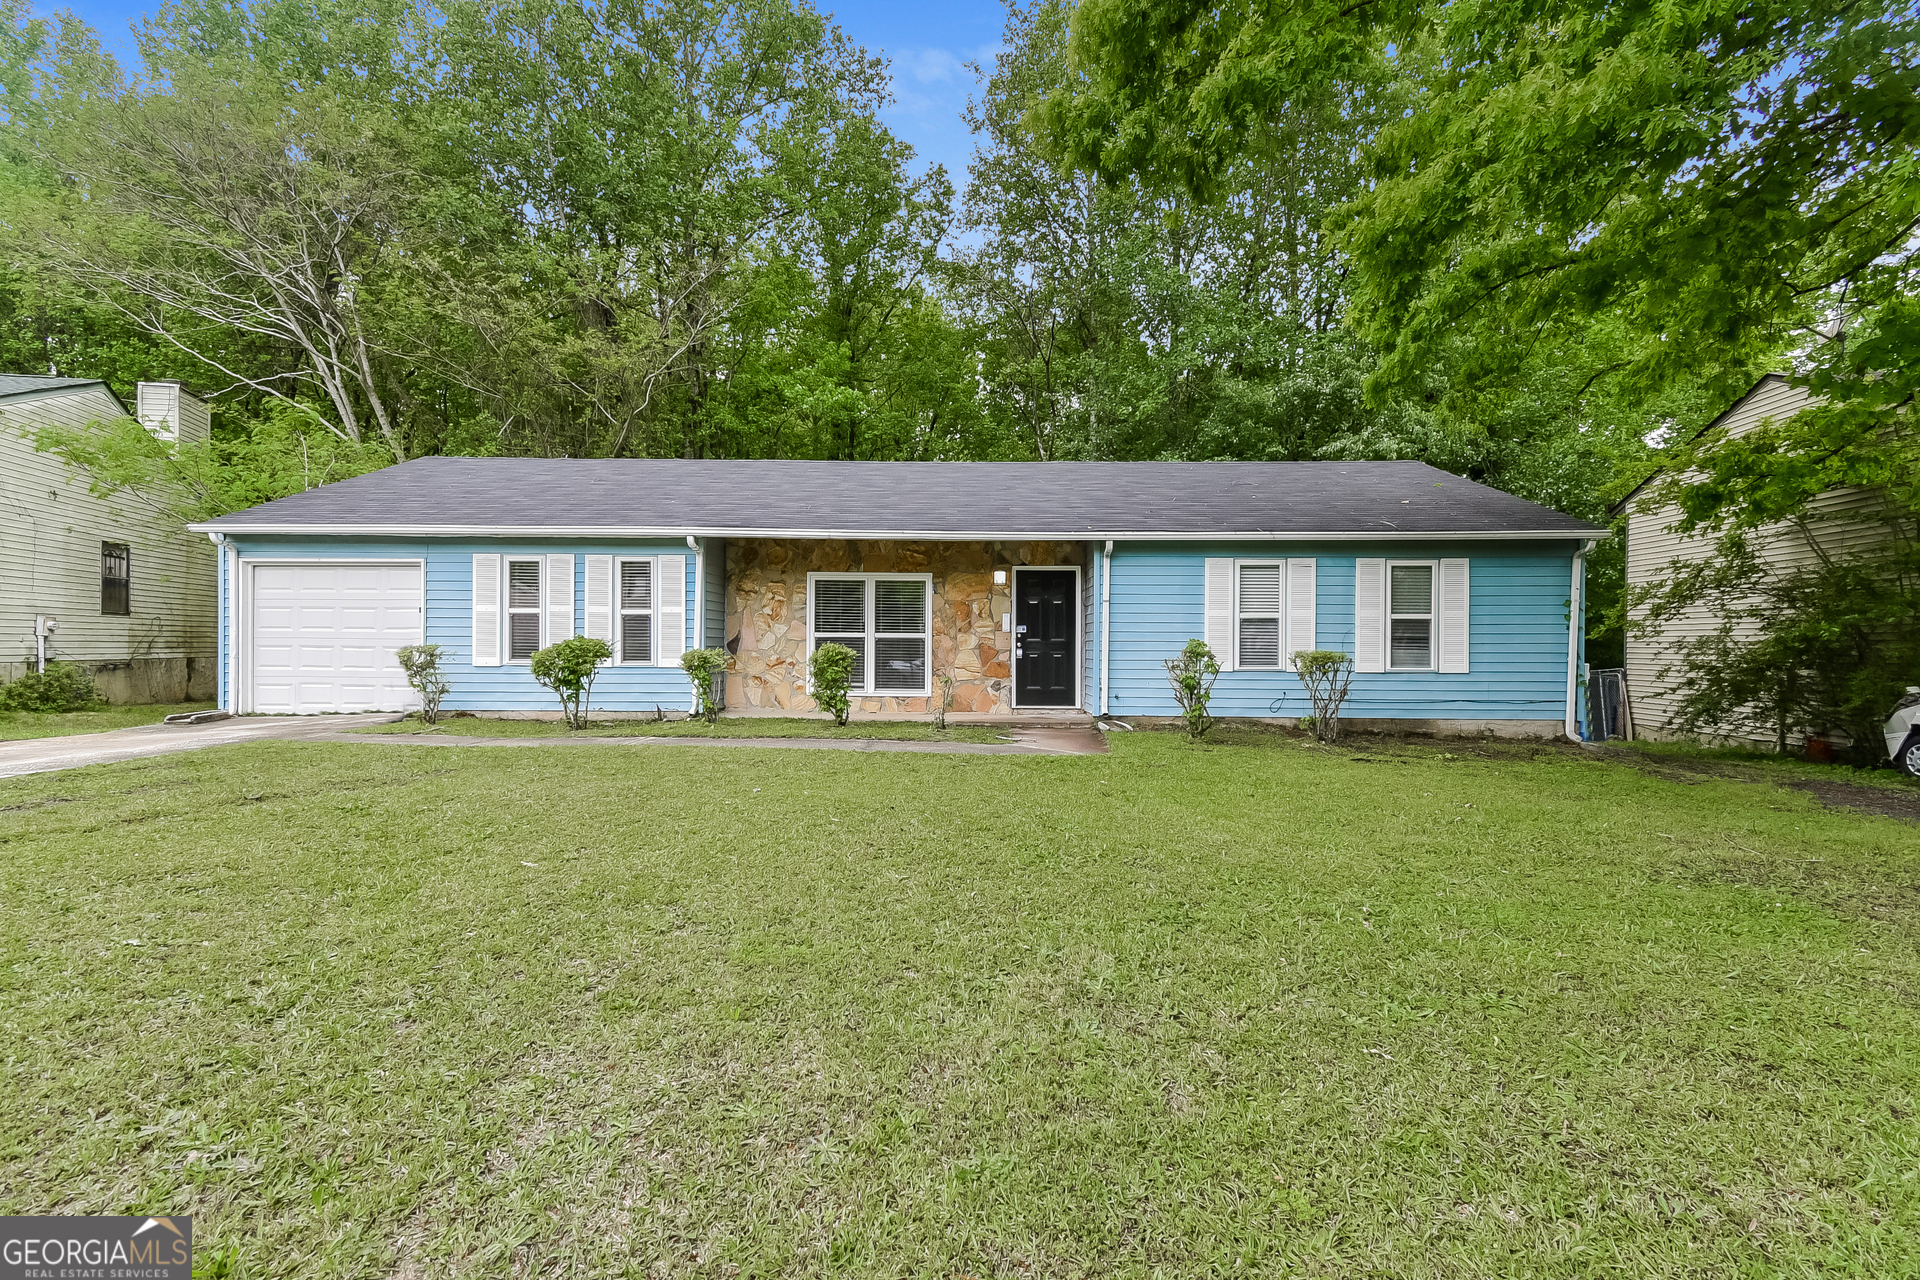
pixel 830 676
pixel 1328 674
pixel 945 702
pixel 1794 652
pixel 1192 675
pixel 568 668
pixel 421 662
pixel 63 686
pixel 707 669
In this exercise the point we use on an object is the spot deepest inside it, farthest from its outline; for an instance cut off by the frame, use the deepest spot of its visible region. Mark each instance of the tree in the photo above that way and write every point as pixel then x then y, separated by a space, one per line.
pixel 218 208
pixel 1723 179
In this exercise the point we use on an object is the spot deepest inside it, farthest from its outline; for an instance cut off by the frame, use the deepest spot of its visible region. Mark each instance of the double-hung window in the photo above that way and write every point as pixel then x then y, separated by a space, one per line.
pixel 523 609
pixel 1409 617
pixel 1257 603
pixel 636 611
pixel 116 579
pixel 883 618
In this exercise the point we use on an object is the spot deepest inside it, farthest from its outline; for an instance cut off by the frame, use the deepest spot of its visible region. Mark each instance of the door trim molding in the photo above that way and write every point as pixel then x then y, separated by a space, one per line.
pixel 243 609
pixel 1079 636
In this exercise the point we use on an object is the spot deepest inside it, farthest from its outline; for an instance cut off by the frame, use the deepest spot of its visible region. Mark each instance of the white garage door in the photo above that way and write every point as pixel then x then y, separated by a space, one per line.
pixel 324 636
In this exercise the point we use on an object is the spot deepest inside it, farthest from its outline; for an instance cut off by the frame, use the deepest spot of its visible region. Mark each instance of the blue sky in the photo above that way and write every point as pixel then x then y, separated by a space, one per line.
pixel 926 43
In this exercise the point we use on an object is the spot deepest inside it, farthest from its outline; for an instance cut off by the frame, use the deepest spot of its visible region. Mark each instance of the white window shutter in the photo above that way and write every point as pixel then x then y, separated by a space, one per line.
pixel 559 599
pixel 486 610
pixel 1452 611
pixel 670 599
pixel 1370 615
pixel 1301 587
pixel 1219 609
pixel 600 598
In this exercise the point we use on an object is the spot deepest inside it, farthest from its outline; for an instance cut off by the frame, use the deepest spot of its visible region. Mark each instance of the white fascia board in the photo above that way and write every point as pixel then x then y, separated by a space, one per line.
pixel 896 535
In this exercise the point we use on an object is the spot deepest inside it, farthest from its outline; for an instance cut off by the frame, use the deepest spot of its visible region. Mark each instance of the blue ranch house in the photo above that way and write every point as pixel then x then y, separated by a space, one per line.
pixel 1014 588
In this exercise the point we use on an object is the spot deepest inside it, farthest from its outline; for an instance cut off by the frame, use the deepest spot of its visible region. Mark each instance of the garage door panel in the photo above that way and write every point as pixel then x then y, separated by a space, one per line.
pixel 323 636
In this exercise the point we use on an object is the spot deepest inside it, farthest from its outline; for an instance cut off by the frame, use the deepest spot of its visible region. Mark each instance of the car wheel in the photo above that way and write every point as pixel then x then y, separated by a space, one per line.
pixel 1908 757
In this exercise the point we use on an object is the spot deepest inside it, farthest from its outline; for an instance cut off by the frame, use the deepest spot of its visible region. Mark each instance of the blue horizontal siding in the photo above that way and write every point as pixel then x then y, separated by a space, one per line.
pixel 1517 632
pixel 449 616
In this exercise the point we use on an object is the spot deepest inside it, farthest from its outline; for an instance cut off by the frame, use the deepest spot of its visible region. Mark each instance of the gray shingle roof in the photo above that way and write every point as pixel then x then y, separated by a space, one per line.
pixel 1076 500
pixel 21 384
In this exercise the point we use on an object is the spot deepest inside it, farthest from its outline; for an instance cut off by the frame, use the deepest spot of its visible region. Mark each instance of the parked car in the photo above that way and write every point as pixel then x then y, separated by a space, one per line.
pixel 1903 733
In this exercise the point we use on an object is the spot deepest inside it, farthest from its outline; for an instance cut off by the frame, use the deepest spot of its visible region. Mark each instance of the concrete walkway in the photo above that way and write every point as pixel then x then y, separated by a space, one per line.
pixel 1077 741
pixel 44 755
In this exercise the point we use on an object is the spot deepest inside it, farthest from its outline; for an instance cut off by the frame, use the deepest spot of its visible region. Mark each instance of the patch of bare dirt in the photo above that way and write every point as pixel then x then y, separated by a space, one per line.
pixel 1835 793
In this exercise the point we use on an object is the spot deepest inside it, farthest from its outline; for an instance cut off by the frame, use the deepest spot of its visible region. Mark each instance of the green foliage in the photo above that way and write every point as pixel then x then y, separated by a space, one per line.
pixel 1328 675
pixel 829 676
pixel 62 686
pixel 421 662
pixel 1827 648
pixel 707 669
pixel 1192 675
pixel 568 668
pixel 284 452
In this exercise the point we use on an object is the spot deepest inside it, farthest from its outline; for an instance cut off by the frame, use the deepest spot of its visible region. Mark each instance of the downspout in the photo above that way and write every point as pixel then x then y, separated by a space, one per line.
pixel 699 549
pixel 1576 628
pixel 223 621
pixel 1106 631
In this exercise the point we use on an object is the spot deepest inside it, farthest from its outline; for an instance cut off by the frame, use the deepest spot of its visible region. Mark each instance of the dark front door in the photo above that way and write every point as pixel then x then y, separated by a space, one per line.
pixel 1043 637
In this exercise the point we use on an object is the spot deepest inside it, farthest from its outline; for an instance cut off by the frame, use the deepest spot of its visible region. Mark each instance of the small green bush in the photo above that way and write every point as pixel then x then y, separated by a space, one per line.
pixel 1327 674
pixel 63 686
pixel 421 662
pixel 706 668
pixel 568 668
pixel 1192 675
pixel 830 676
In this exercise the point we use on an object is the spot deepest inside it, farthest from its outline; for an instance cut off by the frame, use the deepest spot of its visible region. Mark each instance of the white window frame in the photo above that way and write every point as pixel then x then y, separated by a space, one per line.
pixel 620 613
pixel 1432 614
pixel 1280 618
pixel 872 645
pixel 507 610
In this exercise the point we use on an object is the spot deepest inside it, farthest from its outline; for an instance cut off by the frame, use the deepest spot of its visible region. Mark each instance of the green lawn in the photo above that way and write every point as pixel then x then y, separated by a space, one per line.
pixel 739 727
pixel 1420 1011
pixel 37 724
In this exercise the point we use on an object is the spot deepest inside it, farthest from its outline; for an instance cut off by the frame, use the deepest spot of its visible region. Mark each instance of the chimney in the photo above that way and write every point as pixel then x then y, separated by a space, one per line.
pixel 172 412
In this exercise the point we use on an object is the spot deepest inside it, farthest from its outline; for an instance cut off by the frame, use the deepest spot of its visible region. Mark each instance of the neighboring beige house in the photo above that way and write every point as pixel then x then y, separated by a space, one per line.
pixel 95 581
pixel 1844 520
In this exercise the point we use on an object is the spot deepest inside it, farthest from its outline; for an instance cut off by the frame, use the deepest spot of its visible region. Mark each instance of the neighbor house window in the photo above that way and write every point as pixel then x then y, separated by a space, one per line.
pixel 1409 616
pixel 883 618
pixel 636 611
pixel 116 578
pixel 1258 602
pixel 523 609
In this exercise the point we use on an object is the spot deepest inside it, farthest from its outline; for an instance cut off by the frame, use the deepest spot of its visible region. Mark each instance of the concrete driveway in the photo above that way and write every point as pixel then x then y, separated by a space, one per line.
pixel 44 755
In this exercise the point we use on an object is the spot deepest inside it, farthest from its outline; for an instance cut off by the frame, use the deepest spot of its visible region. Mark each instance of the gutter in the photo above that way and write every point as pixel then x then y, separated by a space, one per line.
pixel 1106 628
pixel 914 535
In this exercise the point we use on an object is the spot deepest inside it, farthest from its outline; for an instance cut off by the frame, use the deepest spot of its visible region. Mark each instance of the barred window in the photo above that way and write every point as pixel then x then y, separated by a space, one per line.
pixel 116 579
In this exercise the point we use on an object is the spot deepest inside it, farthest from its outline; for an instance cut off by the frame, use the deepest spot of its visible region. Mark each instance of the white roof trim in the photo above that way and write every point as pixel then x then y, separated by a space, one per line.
pixel 889 535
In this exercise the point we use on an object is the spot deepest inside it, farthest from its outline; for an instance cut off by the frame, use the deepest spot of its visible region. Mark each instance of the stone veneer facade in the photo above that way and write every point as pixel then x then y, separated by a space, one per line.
pixel 767 616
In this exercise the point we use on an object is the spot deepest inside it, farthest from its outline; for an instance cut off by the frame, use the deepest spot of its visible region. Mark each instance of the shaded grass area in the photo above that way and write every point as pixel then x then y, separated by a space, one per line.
pixel 739 727
pixel 15 725
pixel 1765 766
pixel 1176 1010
